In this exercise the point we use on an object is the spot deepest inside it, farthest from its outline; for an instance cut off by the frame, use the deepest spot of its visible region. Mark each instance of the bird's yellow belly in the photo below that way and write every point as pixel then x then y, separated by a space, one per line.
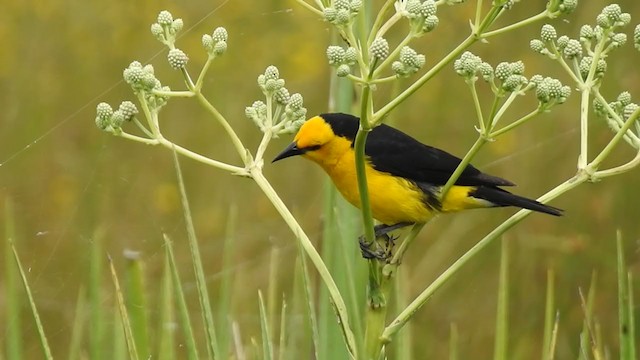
pixel 394 199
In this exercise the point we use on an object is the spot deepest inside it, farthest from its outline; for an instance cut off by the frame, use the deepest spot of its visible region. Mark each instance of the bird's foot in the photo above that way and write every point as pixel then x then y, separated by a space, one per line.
pixel 382 250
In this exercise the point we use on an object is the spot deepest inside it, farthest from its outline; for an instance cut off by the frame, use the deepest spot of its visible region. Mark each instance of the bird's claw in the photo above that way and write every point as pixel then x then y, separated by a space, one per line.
pixel 384 253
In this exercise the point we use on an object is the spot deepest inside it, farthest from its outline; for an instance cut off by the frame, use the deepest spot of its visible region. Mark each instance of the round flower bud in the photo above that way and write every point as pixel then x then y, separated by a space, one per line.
pixel 133 75
pixel 271 73
pixel 177 25
pixel 503 70
pixel 342 4
pixel 157 31
pixel 548 33
pixel 355 6
pixel 350 56
pixel 625 19
pixel 537 45
pixel 429 8
pixel 628 110
pixel 335 55
pixel 536 79
pixel 330 14
pixel 342 17
pixel 601 67
pixel 573 49
pixel 414 8
pixel 612 12
pixel 586 32
pixel 512 82
pixel 165 18
pixel 585 66
pixel 379 48
pixel 128 110
pixel 619 39
pixel 282 96
pixel 624 98
pixel 117 119
pixel 486 70
pixel 207 42
pixel 177 58
pixel 562 42
pixel 398 68
pixel 636 37
pixel 220 48
pixel 148 69
pixel 517 67
pixel 430 23
pixel 220 34
pixel 343 70
pixel 568 6
pixel 603 21
pixel 104 111
pixel 296 101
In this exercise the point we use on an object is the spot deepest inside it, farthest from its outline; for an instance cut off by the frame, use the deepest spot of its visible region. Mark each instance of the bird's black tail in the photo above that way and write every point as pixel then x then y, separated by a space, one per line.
pixel 501 197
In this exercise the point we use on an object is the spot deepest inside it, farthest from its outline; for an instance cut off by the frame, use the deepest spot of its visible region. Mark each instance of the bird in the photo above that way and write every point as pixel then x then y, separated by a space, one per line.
pixel 404 176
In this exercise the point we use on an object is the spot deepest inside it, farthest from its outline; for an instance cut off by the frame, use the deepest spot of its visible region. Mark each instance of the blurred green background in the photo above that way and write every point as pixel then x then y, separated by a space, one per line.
pixel 67 180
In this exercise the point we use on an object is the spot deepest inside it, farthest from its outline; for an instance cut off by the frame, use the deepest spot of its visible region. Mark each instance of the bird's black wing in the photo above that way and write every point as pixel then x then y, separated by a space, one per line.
pixel 392 151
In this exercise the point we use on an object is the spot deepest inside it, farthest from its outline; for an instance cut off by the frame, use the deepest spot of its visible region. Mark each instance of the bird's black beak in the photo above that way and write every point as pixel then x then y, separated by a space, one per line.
pixel 291 150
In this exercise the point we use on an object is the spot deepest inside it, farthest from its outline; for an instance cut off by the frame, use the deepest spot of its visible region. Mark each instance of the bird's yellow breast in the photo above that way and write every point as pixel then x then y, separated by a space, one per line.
pixel 393 199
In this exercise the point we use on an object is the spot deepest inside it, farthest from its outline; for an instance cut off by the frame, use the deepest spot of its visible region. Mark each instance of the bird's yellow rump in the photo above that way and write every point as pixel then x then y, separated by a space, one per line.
pixel 404 176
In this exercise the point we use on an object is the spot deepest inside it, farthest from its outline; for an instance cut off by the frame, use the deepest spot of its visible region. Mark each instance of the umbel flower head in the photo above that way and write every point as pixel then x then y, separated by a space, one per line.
pixel 216 43
pixel 288 112
pixel 111 121
pixel 342 12
pixel 166 28
pixel 408 63
pixel 142 80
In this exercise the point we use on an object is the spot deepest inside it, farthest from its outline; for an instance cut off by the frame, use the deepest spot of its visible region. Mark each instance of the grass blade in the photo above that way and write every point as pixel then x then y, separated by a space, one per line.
pixel 632 324
pixel 166 346
pixel 272 288
pixel 201 282
pixel 267 349
pixel 283 330
pixel 34 311
pixel 124 316
pixel 549 322
pixel 502 313
pixel 226 291
pixel 136 303
pixel 402 342
pixel 119 342
pixel 183 310
pixel 96 315
pixel 625 305
pixel 77 331
pixel 308 292
pixel 13 325
pixel 453 342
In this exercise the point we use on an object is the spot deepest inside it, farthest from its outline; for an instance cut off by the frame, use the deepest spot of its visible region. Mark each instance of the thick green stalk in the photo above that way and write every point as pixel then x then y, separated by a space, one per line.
pixel 463 165
pixel 338 302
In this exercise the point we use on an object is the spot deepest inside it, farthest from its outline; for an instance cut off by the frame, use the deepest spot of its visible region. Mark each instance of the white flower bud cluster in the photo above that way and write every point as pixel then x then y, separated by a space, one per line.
pixel 408 63
pixel 342 12
pixel 111 121
pixel 166 28
pixel 216 43
pixel 343 59
pixel 289 112
pixel 142 80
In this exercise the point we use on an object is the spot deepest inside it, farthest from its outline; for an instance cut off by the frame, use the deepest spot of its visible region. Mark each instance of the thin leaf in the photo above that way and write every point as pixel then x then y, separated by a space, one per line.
pixel 166 345
pixel 136 302
pixel 183 310
pixel 13 299
pixel 124 316
pixel 201 282
pixel 267 349
pixel 226 291
pixel 77 331
pixel 502 313
pixel 311 315
pixel 283 330
pixel 96 310
pixel 549 321
pixel 34 311
pixel 625 313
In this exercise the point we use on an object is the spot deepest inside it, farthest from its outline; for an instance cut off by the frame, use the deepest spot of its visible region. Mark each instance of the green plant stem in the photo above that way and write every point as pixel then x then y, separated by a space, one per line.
pixel 310 8
pixel 338 302
pixel 476 103
pixel 376 318
pixel 614 142
pixel 34 311
pixel 519 24
pixel 463 165
pixel 203 72
pixel 402 249
pixel 382 112
pixel 378 22
pixel 240 148
pixel 583 159
pixel 188 153
pixel 172 93
pixel 515 124
pixel 423 297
